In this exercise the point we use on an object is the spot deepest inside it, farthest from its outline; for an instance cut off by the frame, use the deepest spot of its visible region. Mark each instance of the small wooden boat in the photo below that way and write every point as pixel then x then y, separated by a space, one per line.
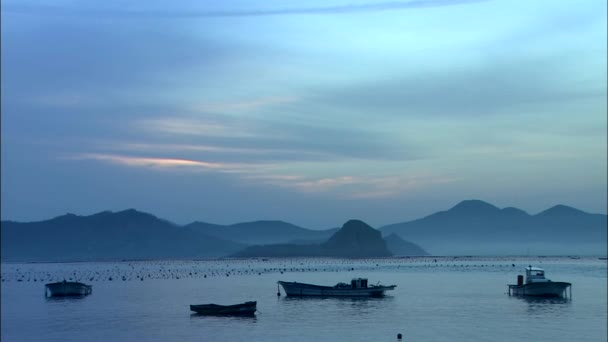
pixel 537 285
pixel 244 309
pixel 67 288
pixel 357 288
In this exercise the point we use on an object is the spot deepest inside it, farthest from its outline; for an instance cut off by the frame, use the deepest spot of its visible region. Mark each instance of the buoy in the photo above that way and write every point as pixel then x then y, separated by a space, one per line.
pixel 399 336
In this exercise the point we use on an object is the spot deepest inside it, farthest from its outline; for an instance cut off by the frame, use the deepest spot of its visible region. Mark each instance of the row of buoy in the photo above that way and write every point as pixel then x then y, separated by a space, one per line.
pixel 132 273
pixel 169 269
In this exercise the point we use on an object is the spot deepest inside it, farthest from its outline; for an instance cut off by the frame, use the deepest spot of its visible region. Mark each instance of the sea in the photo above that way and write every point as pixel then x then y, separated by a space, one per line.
pixel 436 299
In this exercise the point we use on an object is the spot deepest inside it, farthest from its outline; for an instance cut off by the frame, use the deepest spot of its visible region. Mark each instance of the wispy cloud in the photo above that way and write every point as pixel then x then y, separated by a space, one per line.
pixel 243 106
pixel 191 126
pixel 324 184
pixel 343 186
pixel 149 162
pixel 214 118
pixel 382 187
pixel 252 152
pixel 307 139
pixel 177 14
pixel 352 186
pixel 303 183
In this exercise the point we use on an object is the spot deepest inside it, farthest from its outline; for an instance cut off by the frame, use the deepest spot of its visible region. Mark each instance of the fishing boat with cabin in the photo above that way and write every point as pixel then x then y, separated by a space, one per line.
pixel 537 285
pixel 358 287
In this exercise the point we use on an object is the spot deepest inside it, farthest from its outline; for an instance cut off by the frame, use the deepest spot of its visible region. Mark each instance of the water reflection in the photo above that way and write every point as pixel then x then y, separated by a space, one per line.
pixel 340 299
pixel 227 318
pixel 546 305
pixel 65 299
pixel 344 305
pixel 545 300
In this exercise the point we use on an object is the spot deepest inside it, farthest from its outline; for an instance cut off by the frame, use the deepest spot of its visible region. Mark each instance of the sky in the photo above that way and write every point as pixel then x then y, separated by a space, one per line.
pixel 310 112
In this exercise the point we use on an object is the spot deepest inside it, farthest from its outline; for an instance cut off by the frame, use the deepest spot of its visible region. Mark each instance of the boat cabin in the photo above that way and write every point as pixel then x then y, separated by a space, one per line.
pixel 535 275
pixel 358 283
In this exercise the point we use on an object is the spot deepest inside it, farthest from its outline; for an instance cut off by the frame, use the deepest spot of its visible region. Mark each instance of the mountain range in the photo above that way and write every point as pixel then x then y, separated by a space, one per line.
pixel 471 227
pixel 262 232
pixel 128 234
pixel 355 239
pixel 474 227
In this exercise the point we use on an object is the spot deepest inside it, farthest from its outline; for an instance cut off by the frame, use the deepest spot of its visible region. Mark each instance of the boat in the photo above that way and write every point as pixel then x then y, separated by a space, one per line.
pixel 358 287
pixel 244 309
pixel 537 285
pixel 67 288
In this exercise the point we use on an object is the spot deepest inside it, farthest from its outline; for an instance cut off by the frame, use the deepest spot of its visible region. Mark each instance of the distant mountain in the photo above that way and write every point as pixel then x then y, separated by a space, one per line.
pixel 477 227
pixel 471 227
pixel 399 247
pixel 128 234
pixel 262 232
pixel 283 250
pixel 355 239
pixel 562 211
pixel 327 233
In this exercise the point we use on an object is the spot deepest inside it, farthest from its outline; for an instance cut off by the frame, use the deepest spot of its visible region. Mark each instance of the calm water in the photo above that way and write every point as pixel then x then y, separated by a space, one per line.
pixel 454 300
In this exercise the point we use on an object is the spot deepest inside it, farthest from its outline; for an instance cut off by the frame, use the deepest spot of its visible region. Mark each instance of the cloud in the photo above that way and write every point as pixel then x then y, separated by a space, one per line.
pixel 191 126
pixel 241 153
pixel 302 182
pixel 186 14
pixel 160 163
pixel 273 139
pixel 494 86
pixel 215 119
pixel 243 106
pixel 291 176
pixel 355 186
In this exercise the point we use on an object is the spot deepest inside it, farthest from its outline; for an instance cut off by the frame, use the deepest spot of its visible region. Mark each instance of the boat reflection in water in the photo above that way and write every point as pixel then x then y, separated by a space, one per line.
pixel 546 306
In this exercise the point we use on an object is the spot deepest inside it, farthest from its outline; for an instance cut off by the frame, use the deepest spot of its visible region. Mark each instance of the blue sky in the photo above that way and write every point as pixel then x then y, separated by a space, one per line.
pixel 312 112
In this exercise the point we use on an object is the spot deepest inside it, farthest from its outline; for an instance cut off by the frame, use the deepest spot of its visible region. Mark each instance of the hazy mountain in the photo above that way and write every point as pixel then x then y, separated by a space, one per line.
pixel 128 234
pixel 471 227
pixel 399 247
pixel 354 239
pixel 477 227
pixel 262 232
pixel 317 240
pixel 283 250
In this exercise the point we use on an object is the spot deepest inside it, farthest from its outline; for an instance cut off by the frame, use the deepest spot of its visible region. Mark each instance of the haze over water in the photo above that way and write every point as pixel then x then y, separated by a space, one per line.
pixel 452 299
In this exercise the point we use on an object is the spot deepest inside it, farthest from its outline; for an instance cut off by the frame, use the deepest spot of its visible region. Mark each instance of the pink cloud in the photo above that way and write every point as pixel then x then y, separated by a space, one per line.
pixel 154 162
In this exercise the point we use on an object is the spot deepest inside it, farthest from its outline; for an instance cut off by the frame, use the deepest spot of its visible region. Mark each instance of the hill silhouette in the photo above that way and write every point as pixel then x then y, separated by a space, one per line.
pixel 260 232
pixel 399 247
pixel 127 234
pixel 471 227
pixel 355 239
pixel 477 227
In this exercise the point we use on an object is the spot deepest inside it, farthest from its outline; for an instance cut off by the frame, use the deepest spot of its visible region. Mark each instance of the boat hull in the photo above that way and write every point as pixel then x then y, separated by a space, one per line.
pixel 245 309
pixel 67 288
pixel 293 289
pixel 544 289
